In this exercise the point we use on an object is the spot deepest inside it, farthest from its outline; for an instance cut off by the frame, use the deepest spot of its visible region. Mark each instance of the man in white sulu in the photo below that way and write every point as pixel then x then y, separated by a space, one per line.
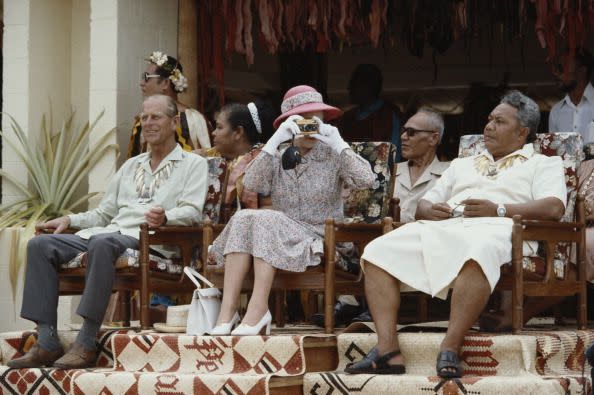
pixel 463 235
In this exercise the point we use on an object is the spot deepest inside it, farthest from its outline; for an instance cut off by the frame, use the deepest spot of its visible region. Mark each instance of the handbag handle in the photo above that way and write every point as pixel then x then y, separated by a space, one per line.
pixel 193 275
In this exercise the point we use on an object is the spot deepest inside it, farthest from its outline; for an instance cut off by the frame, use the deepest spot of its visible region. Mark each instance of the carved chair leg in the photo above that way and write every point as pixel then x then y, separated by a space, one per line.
pixel 582 310
pixel 312 305
pixel 125 306
pixel 422 308
pixel 279 308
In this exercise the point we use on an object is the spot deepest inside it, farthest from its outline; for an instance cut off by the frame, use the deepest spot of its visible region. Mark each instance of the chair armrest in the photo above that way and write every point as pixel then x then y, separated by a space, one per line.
pixel 551 224
pixel 549 231
pixel 69 231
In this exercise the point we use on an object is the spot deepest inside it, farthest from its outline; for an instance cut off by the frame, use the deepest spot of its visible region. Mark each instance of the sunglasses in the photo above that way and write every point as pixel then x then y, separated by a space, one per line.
pixel 412 131
pixel 146 76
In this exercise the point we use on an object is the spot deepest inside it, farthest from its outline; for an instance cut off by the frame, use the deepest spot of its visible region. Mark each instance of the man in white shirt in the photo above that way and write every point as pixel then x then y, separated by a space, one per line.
pixel 463 234
pixel 164 186
pixel 575 112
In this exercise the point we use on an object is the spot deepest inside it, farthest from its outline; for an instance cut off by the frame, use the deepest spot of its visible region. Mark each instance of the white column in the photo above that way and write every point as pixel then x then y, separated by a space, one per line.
pixel 15 87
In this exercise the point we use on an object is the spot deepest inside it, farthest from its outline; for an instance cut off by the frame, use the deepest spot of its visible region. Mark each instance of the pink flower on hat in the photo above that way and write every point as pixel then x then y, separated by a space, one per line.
pixel 303 99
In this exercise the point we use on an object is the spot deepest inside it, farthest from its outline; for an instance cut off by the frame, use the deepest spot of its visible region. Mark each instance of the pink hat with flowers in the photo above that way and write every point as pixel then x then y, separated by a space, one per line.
pixel 302 99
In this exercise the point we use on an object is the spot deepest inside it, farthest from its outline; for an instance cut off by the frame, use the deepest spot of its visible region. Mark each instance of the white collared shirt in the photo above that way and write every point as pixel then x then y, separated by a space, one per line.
pixel 182 195
pixel 534 177
pixel 567 117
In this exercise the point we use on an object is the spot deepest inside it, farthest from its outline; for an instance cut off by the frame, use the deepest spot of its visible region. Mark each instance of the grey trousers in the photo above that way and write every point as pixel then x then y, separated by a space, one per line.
pixel 45 253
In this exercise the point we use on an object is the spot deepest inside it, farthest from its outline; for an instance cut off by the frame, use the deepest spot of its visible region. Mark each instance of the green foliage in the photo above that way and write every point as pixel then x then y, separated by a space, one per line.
pixel 55 168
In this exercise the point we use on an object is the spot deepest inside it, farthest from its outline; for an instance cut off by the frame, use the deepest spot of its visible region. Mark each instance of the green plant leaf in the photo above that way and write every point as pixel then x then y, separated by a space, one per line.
pixel 55 167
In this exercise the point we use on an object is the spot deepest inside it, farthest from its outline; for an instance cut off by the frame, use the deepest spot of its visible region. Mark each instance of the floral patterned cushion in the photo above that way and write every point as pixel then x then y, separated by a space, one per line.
pixel 130 258
pixel 370 205
pixel 569 147
pixel 216 177
pixel 212 208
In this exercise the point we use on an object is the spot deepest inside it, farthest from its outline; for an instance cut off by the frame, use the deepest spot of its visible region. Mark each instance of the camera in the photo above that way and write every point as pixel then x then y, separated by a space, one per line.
pixel 307 126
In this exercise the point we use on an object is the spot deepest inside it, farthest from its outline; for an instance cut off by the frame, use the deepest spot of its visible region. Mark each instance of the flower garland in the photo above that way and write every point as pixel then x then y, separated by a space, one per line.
pixel 180 82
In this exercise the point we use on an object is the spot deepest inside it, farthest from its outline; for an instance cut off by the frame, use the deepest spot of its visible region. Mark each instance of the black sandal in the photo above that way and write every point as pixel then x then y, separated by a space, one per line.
pixel 448 359
pixel 373 363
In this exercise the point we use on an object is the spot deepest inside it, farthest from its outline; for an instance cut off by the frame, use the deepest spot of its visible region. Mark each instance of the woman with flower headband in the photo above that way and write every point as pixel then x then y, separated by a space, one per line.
pixel 163 75
pixel 238 138
pixel 290 235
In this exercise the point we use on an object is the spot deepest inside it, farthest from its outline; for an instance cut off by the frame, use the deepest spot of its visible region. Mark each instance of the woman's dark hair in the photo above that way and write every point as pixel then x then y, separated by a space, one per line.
pixel 240 115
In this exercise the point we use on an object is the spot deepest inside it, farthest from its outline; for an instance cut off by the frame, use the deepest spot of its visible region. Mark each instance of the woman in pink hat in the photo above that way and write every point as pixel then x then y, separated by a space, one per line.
pixel 289 236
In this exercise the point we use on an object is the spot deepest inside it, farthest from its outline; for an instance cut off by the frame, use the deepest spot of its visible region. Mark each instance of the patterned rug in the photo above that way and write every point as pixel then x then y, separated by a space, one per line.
pixel 532 363
pixel 164 363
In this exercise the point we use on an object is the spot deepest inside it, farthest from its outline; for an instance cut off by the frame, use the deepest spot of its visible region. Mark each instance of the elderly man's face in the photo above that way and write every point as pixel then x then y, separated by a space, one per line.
pixel 158 127
pixel 418 137
pixel 503 132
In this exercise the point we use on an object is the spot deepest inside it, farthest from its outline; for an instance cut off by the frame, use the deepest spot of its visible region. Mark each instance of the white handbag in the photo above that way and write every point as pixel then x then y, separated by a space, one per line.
pixel 205 306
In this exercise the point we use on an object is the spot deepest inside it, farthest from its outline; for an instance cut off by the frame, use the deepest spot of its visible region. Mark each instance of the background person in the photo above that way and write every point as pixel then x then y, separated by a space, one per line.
pixel 575 112
pixel 372 118
pixel 163 76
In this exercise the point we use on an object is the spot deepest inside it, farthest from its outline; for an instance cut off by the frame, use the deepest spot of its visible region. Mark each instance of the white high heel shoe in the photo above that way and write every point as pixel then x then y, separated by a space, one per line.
pixel 225 328
pixel 261 328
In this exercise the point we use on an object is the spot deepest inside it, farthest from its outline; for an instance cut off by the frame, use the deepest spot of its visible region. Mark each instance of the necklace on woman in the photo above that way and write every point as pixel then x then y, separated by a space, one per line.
pixel 146 192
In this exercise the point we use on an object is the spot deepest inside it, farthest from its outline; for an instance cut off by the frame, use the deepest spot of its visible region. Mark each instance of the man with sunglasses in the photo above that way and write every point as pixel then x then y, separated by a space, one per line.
pixel 463 235
pixel 163 76
pixel 575 112
pixel 420 137
pixel 164 186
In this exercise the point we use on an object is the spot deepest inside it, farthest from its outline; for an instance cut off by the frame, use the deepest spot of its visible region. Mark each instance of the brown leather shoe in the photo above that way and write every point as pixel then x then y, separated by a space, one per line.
pixel 77 358
pixel 36 357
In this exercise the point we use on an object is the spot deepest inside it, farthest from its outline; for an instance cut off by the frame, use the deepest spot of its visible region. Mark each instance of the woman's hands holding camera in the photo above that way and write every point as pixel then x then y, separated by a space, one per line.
pixel 286 131
pixel 330 136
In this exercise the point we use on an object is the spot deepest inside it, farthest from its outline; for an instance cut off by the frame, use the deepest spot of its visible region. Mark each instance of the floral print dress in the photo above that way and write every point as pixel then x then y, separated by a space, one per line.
pixel 290 236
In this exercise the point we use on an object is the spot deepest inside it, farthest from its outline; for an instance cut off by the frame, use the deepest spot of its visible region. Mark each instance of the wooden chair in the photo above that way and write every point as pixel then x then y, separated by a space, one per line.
pixel 546 274
pixel 366 219
pixel 144 274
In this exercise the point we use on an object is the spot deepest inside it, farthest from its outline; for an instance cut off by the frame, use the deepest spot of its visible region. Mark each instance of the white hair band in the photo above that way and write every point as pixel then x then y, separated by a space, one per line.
pixel 254 112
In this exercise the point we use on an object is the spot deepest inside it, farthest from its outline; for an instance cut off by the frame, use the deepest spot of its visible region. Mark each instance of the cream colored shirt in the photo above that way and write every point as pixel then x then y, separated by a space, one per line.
pixel 182 195
pixel 410 195
pixel 519 177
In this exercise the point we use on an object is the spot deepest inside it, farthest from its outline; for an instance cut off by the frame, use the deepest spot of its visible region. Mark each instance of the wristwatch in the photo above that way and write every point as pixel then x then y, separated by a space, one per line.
pixel 501 211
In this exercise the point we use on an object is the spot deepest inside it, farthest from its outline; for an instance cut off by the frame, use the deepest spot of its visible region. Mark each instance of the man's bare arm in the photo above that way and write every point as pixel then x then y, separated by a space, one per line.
pixel 548 209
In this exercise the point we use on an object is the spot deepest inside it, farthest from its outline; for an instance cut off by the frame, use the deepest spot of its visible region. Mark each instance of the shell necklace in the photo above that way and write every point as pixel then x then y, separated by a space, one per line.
pixel 146 192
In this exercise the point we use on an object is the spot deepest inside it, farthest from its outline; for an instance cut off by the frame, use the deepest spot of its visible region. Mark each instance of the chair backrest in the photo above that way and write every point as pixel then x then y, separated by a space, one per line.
pixel 371 205
pixel 566 145
pixel 217 168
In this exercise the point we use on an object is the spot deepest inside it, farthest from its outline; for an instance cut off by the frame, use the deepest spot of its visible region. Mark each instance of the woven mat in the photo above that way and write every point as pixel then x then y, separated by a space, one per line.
pixel 531 363
pixel 331 383
pixel 165 363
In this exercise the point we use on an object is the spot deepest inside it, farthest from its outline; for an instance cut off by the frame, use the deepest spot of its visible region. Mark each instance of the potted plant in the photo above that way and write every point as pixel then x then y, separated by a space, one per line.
pixel 55 168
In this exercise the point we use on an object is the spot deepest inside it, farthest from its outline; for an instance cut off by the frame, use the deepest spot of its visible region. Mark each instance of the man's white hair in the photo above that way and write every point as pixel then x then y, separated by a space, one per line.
pixel 435 119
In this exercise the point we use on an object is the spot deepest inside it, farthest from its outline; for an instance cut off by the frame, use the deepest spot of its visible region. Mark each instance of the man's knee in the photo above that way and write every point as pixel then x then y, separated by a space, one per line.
pixel 39 244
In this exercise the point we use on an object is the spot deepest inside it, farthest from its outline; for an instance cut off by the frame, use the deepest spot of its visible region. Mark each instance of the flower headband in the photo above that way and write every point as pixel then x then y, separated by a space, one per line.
pixel 180 82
